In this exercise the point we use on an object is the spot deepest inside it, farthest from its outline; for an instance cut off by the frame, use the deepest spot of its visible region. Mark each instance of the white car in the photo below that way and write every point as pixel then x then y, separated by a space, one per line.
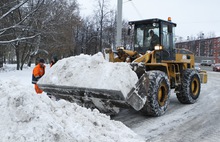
pixel 206 63
pixel 197 67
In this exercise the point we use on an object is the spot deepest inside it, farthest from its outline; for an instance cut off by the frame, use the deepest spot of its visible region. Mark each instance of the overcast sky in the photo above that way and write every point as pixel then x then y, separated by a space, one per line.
pixel 191 16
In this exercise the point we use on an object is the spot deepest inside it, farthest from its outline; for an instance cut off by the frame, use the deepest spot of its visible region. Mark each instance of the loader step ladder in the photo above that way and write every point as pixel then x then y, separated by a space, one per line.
pixel 177 77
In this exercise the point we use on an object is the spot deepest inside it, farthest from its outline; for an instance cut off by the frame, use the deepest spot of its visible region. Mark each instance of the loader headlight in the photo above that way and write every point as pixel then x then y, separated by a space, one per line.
pixel 158 47
pixel 120 47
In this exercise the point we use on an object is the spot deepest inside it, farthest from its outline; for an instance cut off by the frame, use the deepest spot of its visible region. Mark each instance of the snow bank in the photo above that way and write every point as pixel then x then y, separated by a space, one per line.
pixel 91 72
pixel 7 68
pixel 28 117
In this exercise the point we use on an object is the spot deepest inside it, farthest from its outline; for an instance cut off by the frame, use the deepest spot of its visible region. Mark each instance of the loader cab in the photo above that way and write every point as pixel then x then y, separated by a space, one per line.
pixel 163 30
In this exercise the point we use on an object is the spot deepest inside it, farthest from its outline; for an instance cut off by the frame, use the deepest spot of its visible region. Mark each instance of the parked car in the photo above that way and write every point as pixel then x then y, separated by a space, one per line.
pixel 197 67
pixel 206 62
pixel 216 67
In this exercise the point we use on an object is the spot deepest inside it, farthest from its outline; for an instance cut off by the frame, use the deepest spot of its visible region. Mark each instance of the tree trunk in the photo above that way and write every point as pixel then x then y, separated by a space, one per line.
pixel 17 56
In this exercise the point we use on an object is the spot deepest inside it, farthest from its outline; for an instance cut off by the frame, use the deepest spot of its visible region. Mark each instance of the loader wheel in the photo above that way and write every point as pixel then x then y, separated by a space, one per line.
pixel 190 87
pixel 158 94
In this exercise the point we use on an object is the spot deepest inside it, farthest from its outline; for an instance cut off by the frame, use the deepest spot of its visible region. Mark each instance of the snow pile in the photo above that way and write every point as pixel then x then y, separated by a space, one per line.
pixel 91 72
pixel 7 68
pixel 27 117
pixel 10 67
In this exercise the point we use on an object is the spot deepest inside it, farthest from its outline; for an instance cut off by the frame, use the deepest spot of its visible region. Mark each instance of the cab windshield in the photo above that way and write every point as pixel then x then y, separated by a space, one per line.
pixel 146 37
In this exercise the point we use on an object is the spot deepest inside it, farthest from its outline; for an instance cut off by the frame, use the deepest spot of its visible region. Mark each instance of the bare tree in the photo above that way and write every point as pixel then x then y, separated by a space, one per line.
pixel 31 26
pixel 16 30
pixel 57 22
pixel 101 13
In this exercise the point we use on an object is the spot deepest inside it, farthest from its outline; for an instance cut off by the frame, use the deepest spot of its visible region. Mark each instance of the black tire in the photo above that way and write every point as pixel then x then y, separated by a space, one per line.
pixel 158 94
pixel 190 87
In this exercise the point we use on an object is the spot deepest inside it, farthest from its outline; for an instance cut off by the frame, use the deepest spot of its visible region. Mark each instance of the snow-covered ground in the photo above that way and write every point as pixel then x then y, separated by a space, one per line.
pixel 27 117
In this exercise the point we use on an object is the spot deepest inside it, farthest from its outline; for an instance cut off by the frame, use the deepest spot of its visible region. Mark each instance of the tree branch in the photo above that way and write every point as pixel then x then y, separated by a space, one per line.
pixel 17 25
pixel 13 9
pixel 18 39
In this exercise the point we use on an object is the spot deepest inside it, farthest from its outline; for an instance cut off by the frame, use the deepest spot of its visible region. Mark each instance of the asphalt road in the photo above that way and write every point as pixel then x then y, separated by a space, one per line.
pixel 207 68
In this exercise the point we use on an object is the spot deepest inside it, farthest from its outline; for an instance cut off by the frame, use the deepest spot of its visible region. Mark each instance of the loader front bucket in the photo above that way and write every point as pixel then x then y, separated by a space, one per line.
pixel 106 101
pixel 59 90
pixel 137 96
pixel 101 98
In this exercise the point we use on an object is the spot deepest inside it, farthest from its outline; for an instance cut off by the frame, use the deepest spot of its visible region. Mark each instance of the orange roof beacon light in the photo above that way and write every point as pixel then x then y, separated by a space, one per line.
pixel 169 18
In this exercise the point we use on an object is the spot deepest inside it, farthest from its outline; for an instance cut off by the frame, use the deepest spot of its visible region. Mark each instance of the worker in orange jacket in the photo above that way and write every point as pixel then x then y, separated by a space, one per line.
pixel 38 72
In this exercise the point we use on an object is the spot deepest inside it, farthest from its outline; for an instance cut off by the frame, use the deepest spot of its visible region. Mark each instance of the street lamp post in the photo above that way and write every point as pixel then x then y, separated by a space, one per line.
pixel 119 23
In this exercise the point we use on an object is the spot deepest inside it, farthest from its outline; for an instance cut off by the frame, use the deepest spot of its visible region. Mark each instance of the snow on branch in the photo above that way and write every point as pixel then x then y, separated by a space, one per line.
pixel 18 39
pixel 13 8
pixel 16 25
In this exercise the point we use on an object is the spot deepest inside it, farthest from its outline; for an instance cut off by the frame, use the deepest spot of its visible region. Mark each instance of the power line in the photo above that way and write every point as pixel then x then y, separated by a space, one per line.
pixel 127 1
pixel 139 14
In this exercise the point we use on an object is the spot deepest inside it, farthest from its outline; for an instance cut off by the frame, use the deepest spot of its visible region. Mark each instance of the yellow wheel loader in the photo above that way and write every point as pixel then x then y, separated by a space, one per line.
pixel 159 66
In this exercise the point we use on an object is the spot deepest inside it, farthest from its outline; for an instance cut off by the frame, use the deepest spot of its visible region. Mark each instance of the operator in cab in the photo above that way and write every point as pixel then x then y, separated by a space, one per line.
pixel 154 40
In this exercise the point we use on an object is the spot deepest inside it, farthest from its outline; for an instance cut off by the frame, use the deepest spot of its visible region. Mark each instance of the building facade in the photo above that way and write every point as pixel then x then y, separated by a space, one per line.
pixel 208 48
